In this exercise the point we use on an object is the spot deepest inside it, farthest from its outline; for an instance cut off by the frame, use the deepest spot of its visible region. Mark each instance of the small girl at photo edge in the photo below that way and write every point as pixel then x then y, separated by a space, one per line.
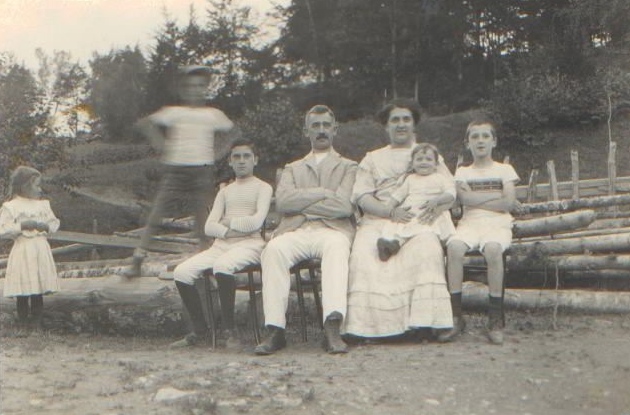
pixel 31 270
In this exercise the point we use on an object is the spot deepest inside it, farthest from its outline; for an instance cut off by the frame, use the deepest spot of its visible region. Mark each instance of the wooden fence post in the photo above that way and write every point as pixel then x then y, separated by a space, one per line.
pixel 575 173
pixel 553 181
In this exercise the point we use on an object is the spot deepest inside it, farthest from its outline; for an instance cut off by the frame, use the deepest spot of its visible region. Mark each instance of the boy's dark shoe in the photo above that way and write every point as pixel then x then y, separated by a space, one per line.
pixel 333 343
pixel 386 248
pixel 459 324
pixel 274 342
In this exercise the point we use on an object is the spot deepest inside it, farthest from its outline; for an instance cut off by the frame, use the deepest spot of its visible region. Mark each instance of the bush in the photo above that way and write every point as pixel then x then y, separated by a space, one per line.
pixel 275 126
pixel 524 105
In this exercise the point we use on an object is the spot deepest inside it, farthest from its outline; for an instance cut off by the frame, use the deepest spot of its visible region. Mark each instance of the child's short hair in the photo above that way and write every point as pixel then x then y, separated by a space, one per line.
pixel 425 148
pixel 20 179
pixel 480 121
pixel 244 142
pixel 383 115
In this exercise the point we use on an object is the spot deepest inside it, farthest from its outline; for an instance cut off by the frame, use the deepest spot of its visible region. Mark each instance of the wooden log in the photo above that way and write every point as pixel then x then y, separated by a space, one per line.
pixel 553 182
pixel 553 224
pixel 610 223
pixel 116 241
pixel 61 250
pixel 588 188
pixel 588 244
pixel 543 262
pixel 577 234
pixel 154 266
pixel 575 174
pixel 569 205
pixel 475 295
pixel 117 305
pixel 613 215
pixel 164 238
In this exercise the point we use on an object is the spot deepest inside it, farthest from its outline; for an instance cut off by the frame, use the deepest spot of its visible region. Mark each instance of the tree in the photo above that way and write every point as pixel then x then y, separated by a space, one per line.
pixel 118 90
pixel 65 85
pixel 24 134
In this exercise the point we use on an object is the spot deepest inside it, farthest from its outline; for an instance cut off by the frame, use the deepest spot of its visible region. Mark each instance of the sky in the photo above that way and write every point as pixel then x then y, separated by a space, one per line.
pixel 83 26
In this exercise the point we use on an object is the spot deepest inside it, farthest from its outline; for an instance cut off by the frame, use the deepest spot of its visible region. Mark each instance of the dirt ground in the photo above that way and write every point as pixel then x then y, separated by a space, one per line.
pixel 571 364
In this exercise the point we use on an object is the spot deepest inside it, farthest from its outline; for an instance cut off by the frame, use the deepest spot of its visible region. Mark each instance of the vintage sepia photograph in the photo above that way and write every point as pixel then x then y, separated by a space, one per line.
pixel 340 207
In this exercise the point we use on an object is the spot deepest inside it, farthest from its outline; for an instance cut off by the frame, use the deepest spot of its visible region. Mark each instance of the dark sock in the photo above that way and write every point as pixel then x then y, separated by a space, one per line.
pixel 22 307
pixel 37 305
pixel 227 294
pixel 495 310
pixel 192 303
pixel 456 304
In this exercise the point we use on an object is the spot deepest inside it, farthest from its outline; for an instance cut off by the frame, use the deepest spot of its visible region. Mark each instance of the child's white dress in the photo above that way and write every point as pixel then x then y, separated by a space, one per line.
pixel 31 267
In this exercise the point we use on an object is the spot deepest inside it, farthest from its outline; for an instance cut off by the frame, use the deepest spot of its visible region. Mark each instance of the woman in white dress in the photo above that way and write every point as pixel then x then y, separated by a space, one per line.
pixel 27 219
pixel 409 291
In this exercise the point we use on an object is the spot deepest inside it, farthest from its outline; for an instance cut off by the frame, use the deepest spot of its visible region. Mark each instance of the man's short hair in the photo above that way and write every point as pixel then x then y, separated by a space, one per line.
pixel 319 109
pixel 410 104
pixel 244 142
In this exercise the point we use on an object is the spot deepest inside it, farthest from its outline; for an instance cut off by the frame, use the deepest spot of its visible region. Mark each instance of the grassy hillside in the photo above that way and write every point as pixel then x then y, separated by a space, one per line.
pixel 128 174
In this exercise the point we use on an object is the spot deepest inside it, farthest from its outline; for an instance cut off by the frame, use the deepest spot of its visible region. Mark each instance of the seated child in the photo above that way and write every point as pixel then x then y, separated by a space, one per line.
pixel 238 214
pixel 486 190
pixel 421 192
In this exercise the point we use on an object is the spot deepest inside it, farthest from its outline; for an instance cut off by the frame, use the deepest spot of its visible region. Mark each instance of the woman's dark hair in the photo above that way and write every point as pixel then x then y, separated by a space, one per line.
pixel 21 178
pixel 410 104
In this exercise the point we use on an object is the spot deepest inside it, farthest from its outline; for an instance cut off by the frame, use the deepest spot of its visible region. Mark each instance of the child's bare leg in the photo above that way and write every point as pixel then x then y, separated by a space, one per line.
pixel 455 252
pixel 455 271
pixel 493 253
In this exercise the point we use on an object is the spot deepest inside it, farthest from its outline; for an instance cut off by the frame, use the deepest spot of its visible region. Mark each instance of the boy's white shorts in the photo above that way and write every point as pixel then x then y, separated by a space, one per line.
pixel 477 233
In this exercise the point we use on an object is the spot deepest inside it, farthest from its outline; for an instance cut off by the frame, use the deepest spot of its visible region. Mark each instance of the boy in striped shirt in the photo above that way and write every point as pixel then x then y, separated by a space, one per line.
pixel 237 215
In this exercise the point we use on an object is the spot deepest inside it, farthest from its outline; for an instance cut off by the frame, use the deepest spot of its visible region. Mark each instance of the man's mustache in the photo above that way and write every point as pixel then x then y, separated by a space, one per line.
pixel 322 135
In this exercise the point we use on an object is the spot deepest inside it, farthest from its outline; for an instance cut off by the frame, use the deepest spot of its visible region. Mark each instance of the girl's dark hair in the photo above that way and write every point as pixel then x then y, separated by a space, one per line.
pixel 383 115
pixel 245 142
pixel 21 178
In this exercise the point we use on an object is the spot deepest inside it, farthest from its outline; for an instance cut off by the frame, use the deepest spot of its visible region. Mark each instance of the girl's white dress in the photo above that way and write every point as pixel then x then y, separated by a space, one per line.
pixel 31 267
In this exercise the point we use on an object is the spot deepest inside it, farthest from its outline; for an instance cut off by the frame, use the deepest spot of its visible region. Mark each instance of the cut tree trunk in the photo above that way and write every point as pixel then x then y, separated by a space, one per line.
pixel 553 224
pixel 594 244
pixel 543 262
pixel 475 295
pixel 575 204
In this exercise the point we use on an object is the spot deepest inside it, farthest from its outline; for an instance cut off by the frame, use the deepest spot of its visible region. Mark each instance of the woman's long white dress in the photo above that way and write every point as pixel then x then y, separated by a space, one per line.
pixel 407 291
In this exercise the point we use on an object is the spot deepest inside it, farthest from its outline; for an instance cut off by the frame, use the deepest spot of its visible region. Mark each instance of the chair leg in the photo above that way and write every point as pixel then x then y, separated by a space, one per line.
pixel 210 308
pixel 300 294
pixel 318 301
pixel 253 306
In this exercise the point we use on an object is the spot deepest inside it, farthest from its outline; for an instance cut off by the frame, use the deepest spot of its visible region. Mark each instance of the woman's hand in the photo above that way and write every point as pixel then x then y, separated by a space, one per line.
pixel 401 215
pixel 431 212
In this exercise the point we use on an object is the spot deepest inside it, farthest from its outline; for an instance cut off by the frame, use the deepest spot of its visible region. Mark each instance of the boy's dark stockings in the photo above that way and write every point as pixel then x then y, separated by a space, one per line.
pixel 227 294
pixel 192 303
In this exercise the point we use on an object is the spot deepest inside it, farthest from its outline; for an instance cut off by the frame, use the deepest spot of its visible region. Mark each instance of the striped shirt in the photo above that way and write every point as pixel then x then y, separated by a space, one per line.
pixel 245 203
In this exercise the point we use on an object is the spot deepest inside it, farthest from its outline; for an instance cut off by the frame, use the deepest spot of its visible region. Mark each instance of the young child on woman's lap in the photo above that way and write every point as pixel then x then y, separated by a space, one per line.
pixel 421 192
pixel 27 219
